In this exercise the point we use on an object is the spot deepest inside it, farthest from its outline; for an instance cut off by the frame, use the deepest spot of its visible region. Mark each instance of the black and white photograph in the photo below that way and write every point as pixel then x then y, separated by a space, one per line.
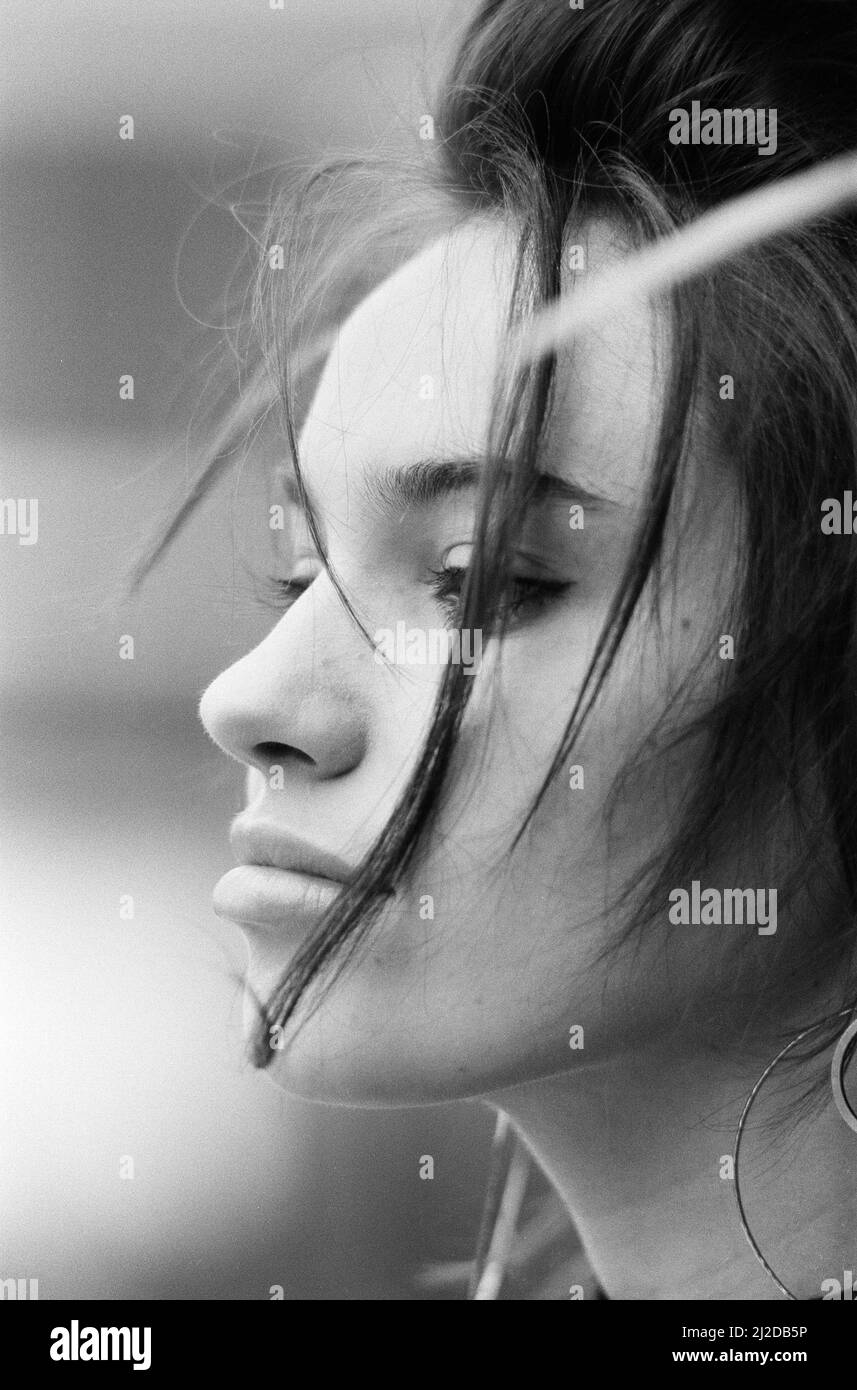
pixel 428 527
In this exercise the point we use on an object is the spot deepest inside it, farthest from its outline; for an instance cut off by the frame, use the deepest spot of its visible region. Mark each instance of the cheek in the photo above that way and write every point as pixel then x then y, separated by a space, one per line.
pixel 515 727
pixel 609 807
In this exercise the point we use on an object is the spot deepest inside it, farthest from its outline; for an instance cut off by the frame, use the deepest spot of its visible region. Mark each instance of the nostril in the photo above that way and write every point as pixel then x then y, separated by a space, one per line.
pixel 273 753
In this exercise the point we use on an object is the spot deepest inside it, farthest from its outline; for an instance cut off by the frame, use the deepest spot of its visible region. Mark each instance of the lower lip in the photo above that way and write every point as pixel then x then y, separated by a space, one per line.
pixel 256 895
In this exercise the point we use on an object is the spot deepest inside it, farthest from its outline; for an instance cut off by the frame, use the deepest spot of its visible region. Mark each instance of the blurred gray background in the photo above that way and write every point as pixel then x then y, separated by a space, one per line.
pixel 121 1037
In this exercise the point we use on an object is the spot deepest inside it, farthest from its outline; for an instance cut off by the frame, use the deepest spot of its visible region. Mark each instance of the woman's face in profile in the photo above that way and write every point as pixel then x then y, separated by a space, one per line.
pixel 475 976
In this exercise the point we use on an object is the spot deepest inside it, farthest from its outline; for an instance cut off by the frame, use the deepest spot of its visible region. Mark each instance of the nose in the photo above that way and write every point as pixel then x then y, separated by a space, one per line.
pixel 293 702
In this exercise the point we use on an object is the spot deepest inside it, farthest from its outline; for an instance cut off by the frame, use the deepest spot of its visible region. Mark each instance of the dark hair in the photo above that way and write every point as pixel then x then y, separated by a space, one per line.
pixel 551 116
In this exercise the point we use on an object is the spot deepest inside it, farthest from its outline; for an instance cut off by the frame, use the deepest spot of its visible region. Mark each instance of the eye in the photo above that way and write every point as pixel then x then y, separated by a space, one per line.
pixel 280 593
pixel 528 595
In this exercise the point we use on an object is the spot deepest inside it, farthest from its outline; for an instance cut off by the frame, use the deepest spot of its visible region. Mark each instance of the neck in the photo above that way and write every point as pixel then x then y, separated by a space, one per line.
pixel 640 1151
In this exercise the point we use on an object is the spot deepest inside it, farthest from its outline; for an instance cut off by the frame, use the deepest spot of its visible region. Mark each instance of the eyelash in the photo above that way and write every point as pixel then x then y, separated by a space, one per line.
pixel 282 593
pixel 529 595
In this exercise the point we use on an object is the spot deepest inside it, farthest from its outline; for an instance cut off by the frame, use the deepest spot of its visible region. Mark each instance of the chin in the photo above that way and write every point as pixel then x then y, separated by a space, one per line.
pixel 335 1058
pixel 318 1064
pixel 330 1058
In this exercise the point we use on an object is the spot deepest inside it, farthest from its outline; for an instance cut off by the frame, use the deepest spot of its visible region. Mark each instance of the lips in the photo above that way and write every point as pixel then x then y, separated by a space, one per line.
pixel 259 842
pixel 281 882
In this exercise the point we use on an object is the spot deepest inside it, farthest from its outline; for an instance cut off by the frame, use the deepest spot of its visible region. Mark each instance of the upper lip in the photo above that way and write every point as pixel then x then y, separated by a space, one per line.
pixel 259 842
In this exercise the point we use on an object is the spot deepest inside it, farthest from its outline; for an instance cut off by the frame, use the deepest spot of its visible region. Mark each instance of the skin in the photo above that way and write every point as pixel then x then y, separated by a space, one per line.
pixel 479 1000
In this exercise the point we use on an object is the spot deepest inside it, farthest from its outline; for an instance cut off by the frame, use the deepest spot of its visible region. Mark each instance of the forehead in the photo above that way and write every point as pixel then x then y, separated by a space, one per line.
pixel 413 371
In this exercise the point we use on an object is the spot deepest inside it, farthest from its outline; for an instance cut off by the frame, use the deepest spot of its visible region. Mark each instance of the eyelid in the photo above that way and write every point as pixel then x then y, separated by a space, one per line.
pixel 532 559
pixel 305 567
pixel 447 563
pixel 542 564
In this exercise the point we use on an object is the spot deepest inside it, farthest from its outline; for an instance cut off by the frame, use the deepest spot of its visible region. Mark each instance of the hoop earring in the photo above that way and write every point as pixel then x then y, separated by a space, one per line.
pixel 508 1169
pixel 841 1057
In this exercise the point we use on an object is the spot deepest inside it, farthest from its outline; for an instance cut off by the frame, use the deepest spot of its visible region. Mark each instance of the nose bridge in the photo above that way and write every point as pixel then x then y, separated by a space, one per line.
pixel 295 698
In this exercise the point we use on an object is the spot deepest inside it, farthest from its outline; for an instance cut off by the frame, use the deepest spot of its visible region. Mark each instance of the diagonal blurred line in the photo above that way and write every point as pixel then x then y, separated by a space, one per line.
pixel 714 237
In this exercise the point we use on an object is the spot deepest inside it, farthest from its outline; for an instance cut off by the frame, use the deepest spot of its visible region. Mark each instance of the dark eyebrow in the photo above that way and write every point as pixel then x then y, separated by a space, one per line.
pixel 396 489
pixel 393 489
